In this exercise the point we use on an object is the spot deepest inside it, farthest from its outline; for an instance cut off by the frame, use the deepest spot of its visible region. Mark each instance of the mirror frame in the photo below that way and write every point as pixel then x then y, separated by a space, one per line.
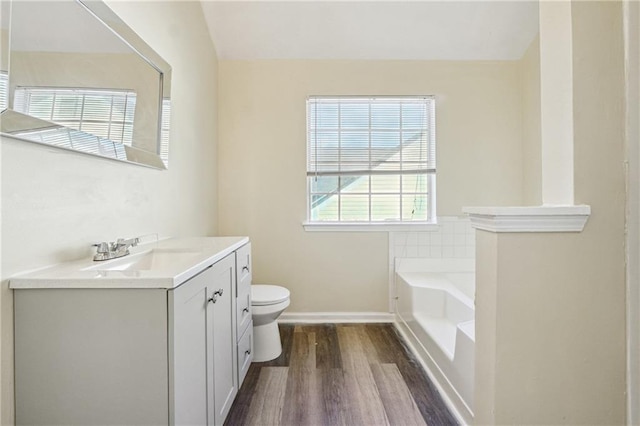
pixel 107 17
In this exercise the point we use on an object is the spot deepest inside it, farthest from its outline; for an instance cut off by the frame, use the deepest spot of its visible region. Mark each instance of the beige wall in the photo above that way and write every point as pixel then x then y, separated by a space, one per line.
pixel 486 324
pixel 56 203
pixel 4 51
pixel 598 85
pixel 559 330
pixel 262 185
pixel 531 142
pixel 558 334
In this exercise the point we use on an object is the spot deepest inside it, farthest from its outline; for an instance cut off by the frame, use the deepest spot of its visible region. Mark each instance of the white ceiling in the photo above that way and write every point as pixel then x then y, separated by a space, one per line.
pixel 427 30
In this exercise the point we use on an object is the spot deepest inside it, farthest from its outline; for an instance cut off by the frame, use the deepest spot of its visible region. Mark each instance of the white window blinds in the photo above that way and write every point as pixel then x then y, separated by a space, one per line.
pixel 107 114
pixel 164 131
pixel 66 137
pixel 371 158
pixel 4 90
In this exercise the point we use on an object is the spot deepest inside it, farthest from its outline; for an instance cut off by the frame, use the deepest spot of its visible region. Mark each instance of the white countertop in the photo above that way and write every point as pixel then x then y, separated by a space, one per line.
pixel 193 256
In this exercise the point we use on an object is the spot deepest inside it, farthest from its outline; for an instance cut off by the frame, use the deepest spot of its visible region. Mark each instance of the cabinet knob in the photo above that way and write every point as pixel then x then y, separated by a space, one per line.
pixel 218 292
pixel 245 310
pixel 245 268
pixel 247 352
pixel 213 298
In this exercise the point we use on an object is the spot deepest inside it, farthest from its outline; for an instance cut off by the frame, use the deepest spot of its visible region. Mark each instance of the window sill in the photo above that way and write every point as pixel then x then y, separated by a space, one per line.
pixel 369 227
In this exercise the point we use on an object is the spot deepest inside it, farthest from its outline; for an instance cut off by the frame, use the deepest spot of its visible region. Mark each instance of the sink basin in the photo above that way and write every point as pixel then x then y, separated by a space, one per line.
pixel 155 259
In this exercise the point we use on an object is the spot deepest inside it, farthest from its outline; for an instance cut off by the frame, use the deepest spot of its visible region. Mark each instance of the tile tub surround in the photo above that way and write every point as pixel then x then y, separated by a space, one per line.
pixel 454 238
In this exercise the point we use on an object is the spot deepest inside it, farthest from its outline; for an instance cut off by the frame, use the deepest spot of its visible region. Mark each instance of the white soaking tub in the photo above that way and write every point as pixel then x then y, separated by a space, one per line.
pixel 435 309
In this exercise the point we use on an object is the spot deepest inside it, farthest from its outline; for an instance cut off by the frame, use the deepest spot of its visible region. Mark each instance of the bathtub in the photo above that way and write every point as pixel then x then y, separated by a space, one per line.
pixel 435 309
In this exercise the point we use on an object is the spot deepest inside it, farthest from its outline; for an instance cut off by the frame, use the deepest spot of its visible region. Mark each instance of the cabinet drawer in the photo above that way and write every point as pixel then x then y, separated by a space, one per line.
pixel 245 353
pixel 243 311
pixel 244 286
pixel 243 264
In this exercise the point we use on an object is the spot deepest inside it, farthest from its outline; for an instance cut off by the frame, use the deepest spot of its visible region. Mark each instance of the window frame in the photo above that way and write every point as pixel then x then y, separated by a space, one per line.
pixel 380 225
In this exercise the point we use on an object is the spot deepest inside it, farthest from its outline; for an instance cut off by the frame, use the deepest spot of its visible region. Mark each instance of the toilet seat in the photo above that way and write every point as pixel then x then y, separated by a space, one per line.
pixel 263 294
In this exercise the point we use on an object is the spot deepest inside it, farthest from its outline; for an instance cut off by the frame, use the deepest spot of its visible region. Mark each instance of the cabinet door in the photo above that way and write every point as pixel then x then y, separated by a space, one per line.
pixel 90 356
pixel 203 382
pixel 222 335
pixel 188 342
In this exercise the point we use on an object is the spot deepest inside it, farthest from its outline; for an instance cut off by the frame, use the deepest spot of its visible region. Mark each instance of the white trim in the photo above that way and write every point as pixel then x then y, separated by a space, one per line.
pixel 368 226
pixel 451 398
pixel 529 219
pixel 337 317
pixel 631 16
pixel 391 263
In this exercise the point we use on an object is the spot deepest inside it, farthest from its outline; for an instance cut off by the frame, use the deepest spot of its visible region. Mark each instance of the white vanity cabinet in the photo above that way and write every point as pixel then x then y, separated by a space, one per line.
pixel 131 355
pixel 202 340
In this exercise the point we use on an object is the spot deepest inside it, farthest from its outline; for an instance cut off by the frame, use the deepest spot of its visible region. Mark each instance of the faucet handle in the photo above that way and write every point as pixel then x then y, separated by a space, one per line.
pixel 131 242
pixel 102 247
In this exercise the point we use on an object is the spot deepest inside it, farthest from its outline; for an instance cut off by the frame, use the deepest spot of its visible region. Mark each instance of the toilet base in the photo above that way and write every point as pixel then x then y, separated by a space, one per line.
pixel 266 342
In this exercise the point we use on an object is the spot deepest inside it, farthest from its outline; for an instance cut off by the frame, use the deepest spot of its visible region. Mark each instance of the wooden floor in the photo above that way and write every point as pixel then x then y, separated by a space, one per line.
pixel 339 374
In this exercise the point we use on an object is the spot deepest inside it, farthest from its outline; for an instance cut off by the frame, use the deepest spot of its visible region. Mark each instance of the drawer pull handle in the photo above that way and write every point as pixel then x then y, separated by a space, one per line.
pixel 213 298
pixel 245 268
pixel 245 310
pixel 218 292
pixel 247 352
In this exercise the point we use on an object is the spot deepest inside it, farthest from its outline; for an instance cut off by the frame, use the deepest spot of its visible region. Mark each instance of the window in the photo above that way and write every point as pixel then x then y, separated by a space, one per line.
pixel 104 113
pixel 371 160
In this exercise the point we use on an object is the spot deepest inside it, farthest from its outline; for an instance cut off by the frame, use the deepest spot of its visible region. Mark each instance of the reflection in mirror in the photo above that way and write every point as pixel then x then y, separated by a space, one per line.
pixel 80 79
pixel 4 54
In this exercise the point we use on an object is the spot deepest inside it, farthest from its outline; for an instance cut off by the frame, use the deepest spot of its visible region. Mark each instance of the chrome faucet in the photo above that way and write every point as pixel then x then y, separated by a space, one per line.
pixel 106 251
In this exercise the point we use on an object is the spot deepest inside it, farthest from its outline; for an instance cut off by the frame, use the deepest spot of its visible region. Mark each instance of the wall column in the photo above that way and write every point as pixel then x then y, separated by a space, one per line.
pixel 556 100
pixel 551 295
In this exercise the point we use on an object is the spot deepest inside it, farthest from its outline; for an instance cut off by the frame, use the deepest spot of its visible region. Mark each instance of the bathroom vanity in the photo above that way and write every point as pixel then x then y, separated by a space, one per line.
pixel 162 336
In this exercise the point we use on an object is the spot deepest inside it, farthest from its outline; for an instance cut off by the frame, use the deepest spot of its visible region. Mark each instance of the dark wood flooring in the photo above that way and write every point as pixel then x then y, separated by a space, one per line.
pixel 339 374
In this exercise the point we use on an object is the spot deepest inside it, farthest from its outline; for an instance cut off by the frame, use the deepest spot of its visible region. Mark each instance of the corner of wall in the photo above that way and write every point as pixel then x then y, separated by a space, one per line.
pixel 531 137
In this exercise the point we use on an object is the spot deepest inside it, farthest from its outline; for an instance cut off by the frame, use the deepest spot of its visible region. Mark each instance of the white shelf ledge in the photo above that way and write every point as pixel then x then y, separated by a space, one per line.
pixel 369 227
pixel 529 219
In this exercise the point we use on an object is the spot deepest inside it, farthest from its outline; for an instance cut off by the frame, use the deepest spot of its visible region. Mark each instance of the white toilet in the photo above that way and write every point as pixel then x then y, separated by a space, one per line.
pixel 267 303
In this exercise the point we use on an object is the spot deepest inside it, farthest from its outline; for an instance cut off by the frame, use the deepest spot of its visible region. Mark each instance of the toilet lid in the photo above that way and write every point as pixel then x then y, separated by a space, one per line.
pixel 262 294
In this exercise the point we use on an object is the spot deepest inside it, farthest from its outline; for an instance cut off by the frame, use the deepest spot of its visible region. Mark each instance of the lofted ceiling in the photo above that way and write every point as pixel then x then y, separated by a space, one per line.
pixel 410 30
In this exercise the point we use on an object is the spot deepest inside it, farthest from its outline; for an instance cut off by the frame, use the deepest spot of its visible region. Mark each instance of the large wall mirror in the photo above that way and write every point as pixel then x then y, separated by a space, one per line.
pixel 73 75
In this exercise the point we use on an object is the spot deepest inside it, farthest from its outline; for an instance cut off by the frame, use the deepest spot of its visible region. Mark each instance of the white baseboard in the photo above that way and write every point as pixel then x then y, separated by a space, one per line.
pixel 335 317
